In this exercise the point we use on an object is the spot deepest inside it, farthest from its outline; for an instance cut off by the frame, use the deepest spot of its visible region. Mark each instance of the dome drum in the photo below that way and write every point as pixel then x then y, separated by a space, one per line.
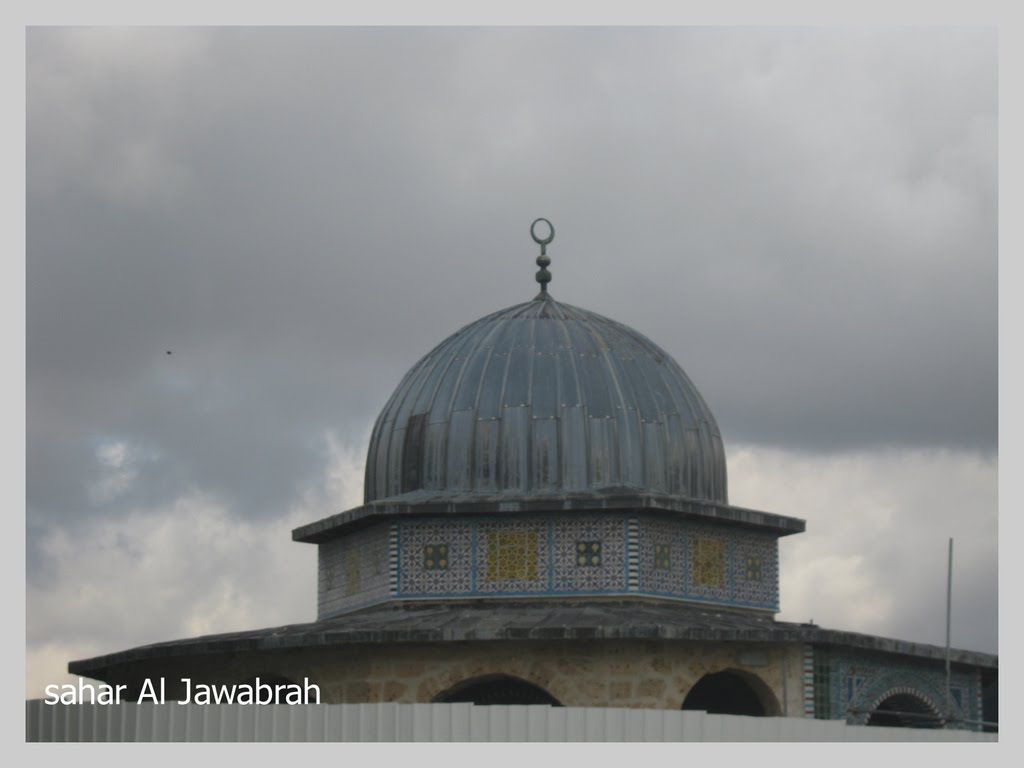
pixel 558 555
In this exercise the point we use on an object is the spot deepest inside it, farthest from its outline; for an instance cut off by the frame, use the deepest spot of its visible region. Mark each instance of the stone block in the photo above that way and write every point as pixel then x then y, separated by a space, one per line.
pixel 661 664
pixel 541 675
pixel 651 687
pixel 409 669
pixel 361 691
pixel 592 692
pixel 393 691
pixel 620 691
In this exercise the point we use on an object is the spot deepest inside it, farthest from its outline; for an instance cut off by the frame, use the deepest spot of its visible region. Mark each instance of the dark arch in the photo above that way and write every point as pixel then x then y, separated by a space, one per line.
pixel 732 692
pixel 904 710
pixel 496 689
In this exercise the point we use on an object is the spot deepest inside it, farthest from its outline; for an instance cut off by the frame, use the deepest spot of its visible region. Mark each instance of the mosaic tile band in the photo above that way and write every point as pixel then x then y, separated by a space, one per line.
pixel 554 555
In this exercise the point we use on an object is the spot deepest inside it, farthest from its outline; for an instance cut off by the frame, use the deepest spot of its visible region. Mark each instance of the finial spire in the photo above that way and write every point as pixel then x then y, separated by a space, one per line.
pixel 543 276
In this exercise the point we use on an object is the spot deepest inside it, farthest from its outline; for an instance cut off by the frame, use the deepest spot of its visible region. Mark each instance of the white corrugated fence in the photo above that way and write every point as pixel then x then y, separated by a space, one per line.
pixel 435 722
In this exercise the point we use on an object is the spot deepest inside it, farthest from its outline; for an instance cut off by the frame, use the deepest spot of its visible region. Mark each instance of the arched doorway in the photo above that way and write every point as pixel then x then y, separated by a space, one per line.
pixel 904 710
pixel 496 689
pixel 732 692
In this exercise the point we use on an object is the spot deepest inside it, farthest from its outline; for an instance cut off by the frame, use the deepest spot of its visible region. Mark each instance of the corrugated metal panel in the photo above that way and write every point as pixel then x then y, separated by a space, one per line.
pixel 485 455
pixel 630 445
pixel 654 454
pixel 469 385
pixel 435 456
pixel 461 432
pixel 594 380
pixel 413 452
pixel 583 336
pixel 417 383
pixel 517 382
pixel 603 453
pixel 569 391
pixel 395 457
pixel 573 443
pixel 429 386
pixel 544 454
pixel 379 486
pixel 693 462
pixel 678 456
pixel 520 362
pixel 718 465
pixel 492 385
pixel 639 391
pixel 441 407
pixel 683 402
pixel 544 389
pixel 514 448
pixel 392 722
pixel 650 370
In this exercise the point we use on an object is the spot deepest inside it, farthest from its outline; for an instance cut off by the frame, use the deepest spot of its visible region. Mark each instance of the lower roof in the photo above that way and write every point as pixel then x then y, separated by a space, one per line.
pixel 425 622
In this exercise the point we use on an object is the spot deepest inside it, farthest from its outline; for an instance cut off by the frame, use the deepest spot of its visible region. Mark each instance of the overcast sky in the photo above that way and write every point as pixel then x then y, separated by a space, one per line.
pixel 804 218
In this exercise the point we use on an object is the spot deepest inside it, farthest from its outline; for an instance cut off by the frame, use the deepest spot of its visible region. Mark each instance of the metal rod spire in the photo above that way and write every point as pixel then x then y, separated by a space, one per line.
pixel 543 275
pixel 949 601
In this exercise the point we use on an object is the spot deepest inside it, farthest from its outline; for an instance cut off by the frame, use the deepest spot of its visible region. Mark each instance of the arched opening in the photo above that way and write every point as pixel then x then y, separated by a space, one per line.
pixel 732 692
pixel 496 689
pixel 904 710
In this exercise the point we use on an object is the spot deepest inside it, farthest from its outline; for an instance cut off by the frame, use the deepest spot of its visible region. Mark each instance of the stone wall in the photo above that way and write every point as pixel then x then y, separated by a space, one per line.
pixel 585 673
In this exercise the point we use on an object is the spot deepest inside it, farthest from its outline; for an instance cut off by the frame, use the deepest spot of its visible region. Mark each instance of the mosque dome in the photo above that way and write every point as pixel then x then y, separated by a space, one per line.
pixel 545 399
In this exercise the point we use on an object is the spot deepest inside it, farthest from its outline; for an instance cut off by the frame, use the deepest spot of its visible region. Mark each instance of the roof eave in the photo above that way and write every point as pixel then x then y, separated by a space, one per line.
pixel 421 503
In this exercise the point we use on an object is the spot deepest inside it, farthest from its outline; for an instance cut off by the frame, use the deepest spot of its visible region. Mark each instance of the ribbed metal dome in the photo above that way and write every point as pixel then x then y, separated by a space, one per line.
pixel 544 399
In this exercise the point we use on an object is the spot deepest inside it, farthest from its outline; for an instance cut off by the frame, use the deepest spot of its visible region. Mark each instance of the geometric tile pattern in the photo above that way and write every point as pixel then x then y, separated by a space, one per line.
pixel 663 556
pixel 755 569
pixel 707 562
pixel 556 554
pixel 393 559
pixel 512 556
pixel 353 571
pixel 588 553
pixel 435 557
pixel 849 683
pixel 415 577
pixel 808 680
pixel 608 574
pixel 633 554
pixel 708 572
pixel 707 553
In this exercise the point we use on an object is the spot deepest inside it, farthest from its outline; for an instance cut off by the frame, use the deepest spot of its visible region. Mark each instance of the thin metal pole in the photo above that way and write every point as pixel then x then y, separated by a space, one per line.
pixel 949 600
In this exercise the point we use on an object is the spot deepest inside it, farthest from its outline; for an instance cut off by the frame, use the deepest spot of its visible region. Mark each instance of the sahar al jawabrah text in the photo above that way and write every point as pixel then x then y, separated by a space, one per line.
pixel 153 691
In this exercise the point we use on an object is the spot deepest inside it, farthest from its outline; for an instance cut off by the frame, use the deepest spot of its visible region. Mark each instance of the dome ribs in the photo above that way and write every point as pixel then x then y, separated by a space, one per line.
pixel 545 398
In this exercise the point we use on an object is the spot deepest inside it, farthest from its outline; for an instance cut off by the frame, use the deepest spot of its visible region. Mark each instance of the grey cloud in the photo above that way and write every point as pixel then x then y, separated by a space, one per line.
pixel 805 219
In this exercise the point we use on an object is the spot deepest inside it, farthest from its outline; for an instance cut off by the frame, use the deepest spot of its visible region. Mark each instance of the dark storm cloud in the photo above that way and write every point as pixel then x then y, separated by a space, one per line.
pixel 805 219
